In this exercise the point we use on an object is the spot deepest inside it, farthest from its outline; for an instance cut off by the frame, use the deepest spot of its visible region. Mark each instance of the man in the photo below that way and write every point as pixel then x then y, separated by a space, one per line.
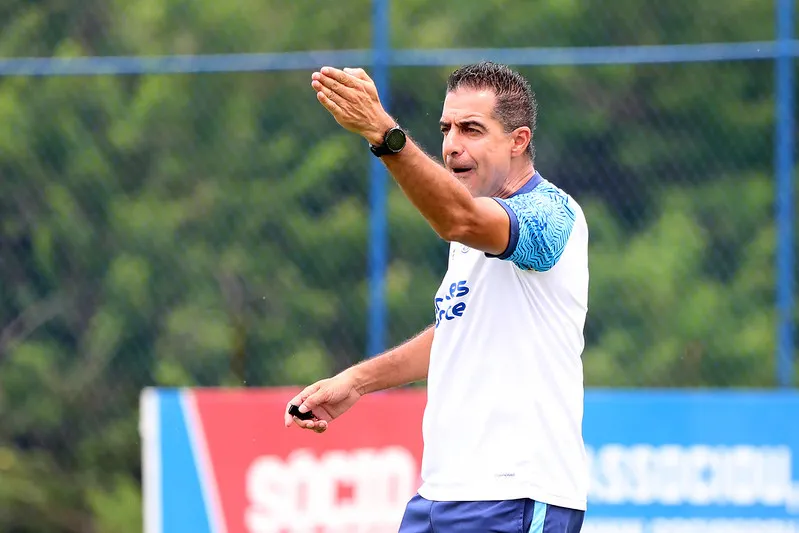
pixel 503 447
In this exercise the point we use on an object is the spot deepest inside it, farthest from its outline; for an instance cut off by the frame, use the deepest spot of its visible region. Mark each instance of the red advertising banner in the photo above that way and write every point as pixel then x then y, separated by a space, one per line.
pixel 257 476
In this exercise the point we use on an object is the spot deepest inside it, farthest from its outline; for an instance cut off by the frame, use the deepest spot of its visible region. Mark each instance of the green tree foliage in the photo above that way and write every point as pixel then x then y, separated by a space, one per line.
pixel 212 229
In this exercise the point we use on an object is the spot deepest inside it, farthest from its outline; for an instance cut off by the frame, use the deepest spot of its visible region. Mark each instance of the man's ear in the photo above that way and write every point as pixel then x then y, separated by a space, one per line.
pixel 522 137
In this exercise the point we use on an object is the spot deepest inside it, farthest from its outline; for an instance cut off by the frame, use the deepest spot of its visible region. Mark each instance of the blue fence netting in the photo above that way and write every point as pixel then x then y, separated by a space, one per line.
pixel 381 58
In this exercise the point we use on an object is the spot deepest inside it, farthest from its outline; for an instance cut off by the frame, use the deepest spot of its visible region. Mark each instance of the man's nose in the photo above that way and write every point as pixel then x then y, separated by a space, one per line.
pixel 452 144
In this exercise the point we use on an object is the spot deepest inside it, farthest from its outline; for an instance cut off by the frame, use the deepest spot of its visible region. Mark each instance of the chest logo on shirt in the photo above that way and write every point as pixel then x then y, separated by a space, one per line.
pixel 450 305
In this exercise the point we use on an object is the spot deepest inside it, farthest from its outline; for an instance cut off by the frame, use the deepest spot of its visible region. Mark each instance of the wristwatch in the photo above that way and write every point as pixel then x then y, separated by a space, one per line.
pixel 393 142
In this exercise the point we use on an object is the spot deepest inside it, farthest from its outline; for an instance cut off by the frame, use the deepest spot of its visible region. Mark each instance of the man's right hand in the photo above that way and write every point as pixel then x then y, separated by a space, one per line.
pixel 327 399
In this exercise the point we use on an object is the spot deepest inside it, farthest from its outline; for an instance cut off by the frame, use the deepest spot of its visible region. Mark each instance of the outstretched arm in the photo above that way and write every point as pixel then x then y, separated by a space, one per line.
pixel 480 223
pixel 446 204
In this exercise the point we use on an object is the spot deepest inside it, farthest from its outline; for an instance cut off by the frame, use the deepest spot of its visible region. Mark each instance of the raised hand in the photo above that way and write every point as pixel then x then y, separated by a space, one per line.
pixel 351 97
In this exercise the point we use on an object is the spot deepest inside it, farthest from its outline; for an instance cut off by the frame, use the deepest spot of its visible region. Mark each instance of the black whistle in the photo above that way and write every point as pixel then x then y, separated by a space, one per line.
pixel 294 410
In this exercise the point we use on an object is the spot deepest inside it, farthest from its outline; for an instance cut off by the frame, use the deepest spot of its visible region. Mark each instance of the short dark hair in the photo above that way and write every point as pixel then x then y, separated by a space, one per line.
pixel 515 106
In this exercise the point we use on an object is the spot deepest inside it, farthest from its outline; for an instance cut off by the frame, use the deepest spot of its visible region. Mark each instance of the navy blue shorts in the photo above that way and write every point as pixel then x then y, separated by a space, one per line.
pixel 509 516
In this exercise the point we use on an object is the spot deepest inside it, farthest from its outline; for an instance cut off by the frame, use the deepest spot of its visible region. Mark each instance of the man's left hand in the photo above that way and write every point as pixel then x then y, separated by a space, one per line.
pixel 351 97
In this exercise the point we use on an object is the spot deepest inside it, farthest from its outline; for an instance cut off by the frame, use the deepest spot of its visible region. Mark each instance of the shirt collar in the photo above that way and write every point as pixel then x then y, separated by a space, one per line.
pixel 531 184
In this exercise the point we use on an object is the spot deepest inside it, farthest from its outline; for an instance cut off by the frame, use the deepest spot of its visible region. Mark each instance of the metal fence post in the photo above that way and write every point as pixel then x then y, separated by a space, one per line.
pixel 784 165
pixel 378 238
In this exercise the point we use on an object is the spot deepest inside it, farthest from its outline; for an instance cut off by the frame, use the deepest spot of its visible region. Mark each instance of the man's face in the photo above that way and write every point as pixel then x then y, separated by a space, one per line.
pixel 475 148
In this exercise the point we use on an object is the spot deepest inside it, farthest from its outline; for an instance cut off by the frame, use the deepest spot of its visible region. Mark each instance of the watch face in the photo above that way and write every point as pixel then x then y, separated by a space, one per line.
pixel 395 140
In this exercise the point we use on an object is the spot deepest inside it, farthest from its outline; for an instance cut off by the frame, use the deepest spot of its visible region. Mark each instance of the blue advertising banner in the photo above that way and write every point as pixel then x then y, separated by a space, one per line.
pixel 685 462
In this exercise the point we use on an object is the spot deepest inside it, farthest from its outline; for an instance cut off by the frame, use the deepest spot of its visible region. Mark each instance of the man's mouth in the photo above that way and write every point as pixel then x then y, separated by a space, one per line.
pixel 460 170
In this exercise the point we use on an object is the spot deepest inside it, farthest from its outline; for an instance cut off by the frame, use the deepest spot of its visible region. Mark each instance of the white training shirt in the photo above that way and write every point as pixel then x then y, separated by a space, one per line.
pixel 505 387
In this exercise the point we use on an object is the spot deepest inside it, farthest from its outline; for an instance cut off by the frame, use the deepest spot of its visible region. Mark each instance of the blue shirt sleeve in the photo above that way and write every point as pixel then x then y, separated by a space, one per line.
pixel 541 222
